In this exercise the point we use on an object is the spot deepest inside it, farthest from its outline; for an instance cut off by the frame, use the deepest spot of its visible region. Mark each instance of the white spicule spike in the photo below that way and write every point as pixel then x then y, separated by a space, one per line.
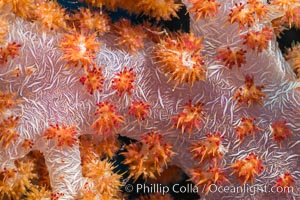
pixel 53 94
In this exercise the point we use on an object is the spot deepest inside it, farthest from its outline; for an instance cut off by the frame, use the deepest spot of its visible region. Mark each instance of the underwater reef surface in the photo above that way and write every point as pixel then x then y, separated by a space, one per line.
pixel 201 117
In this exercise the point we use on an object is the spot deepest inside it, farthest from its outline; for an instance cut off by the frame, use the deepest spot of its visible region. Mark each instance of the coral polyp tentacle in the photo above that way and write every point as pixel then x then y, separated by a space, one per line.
pixel 181 58
pixel 190 118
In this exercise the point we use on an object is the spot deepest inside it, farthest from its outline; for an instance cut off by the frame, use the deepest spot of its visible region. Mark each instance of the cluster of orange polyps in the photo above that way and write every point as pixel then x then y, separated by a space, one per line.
pixel 206 153
pixel 149 157
pixel 180 58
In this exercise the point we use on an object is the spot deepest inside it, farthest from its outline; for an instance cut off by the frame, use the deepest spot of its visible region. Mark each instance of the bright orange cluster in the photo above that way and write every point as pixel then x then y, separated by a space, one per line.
pixel 232 56
pixel 213 175
pixel 284 181
pixel 129 36
pixel 64 135
pixel 246 127
pixel 89 21
pixel 280 131
pixel 247 14
pixel 108 120
pixel 14 183
pixel 180 57
pixel 21 8
pixel 250 93
pixel 149 157
pixel 51 15
pixel 140 110
pixel 248 168
pixel 209 148
pixel 123 81
pixel 258 40
pixel 203 9
pixel 11 50
pixel 106 181
pixel 93 80
pixel 78 49
pixel 8 133
pixel 191 117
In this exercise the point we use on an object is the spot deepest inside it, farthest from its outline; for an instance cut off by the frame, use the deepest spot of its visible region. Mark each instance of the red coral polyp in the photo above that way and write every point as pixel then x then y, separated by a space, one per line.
pixel 123 81
pixel 258 40
pixel 63 135
pixel 242 15
pixel 248 168
pixel 93 80
pixel 11 50
pixel 250 93
pixel 280 131
pixel 247 14
pixel 149 157
pixel 180 58
pixel 8 133
pixel 284 181
pixel 140 110
pixel 203 9
pixel 191 117
pixel 246 128
pixel 129 36
pixel 205 178
pixel 108 119
pixel 209 148
pixel 78 49
pixel 231 57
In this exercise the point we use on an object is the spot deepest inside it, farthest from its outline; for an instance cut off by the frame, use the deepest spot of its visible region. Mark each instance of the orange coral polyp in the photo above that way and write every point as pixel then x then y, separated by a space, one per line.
pixel 11 50
pixel 8 133
pixel 108 119
pixel 78 49
pixel 232 56
pixel 285 180
pixel 246 127
pixel 129 36
pixel 123 81
pixel 92 21
pixel 93 80
pixel 51 15
pixel 7 101
pixel 191 117
pixel 258 40
pixel 248 168
pixel 209 148
pixel 280 131
pixel 242 15
pixel 63 135
pixel 181 58
pixel 158 9
pixel 149 157
pixel 250 93
pixel 203 9
pixel 213 175
pixel 140 110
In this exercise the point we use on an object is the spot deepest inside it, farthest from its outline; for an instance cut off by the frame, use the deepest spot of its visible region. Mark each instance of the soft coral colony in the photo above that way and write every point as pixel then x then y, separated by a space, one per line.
pixel 220 102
